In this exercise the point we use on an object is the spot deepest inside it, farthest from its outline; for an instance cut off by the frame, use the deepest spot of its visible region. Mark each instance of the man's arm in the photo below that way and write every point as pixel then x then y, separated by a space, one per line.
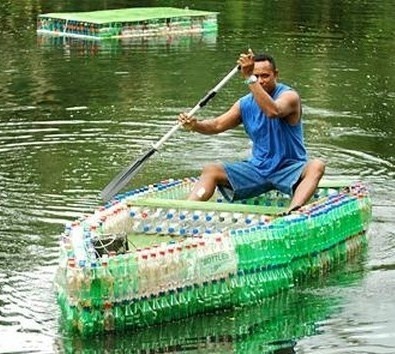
pixel 226 121
pixel 286 106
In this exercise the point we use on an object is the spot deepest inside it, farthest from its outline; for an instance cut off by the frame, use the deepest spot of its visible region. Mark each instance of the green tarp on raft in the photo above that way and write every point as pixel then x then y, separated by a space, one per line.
pixel 127 15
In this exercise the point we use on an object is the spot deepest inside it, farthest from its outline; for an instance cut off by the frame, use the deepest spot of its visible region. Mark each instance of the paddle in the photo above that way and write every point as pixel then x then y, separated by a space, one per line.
pixel 123 178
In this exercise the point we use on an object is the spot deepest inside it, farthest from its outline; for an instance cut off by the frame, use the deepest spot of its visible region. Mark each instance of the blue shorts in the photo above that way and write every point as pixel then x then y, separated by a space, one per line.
pixel 247 181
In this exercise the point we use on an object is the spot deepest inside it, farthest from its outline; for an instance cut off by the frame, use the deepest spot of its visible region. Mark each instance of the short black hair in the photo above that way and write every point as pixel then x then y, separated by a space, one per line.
pixel 266 57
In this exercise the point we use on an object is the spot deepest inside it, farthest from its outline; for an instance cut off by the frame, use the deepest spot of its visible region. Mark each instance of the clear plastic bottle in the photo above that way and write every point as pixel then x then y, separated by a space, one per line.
pixel 72 282
pixel 84 283
pixel 171 215
pixel 106 280
pixel 116 266
pixel 131 273
pixel 153 273
pixel 142 274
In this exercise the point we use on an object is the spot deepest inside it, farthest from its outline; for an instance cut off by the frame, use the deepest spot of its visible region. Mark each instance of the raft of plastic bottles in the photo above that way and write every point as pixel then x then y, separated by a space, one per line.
pixel 127 23
pixel 207 256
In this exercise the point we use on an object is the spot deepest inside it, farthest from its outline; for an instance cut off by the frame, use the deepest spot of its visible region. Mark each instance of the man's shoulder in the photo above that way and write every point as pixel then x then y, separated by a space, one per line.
pixel 284 88
pixel 281 87
pixel 249 97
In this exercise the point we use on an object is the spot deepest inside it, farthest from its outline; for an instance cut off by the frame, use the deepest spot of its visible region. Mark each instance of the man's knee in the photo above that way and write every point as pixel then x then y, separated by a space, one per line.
pixel 214 172
pixel 316 168
pixel 211 170
pixel 208 171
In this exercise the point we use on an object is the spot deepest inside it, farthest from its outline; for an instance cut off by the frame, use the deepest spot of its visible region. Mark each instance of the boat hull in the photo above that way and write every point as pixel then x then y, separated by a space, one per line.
pixel 150 256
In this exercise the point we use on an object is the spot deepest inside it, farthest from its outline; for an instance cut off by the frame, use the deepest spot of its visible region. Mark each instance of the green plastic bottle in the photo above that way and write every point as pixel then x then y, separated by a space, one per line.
pixel 97 319
pixel 174 305
pixel 119 317
pixel 71 319
pixel 165 310
pixel 85 323
pixel 182 302
pixel 95 289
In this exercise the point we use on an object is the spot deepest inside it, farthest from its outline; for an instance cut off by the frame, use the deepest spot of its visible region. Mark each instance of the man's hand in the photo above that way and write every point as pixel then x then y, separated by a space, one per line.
pixel 188 123
pixel 246 63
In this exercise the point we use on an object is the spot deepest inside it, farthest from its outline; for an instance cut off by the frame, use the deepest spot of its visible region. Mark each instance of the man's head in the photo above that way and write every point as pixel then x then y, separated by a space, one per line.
pixel 266 57
pixel 266 71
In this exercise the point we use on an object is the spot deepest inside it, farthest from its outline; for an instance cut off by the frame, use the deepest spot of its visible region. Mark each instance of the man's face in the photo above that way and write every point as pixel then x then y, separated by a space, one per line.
pixel 267 77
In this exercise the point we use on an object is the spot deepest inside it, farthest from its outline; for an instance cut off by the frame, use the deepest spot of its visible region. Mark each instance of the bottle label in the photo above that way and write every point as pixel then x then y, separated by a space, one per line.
pixel 217 265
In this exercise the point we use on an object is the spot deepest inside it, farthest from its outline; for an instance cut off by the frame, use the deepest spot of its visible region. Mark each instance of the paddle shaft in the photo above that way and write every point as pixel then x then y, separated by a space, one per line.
pixel 126 175
pixel 199 105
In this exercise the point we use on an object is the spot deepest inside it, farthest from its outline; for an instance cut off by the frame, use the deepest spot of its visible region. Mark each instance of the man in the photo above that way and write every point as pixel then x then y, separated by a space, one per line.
pixel 271 115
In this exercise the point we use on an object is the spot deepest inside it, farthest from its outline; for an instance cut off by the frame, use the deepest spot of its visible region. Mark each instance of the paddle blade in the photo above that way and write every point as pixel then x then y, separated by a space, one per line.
pixel 123 178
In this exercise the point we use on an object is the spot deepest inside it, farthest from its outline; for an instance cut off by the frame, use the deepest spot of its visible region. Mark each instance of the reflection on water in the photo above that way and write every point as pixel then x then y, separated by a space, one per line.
pixel 74 46
pixel 274 326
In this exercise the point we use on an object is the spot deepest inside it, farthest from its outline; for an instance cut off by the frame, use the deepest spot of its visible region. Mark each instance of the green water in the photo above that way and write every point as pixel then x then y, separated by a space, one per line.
pixel 74 113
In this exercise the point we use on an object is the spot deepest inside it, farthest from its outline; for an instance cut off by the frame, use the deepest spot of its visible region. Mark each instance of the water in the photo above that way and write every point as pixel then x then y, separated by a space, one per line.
pixel 74 113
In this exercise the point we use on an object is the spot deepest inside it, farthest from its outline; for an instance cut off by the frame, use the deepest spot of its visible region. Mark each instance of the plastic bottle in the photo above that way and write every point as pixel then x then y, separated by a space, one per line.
pixel 184 215
pixel 131 274
pixel 171 214
pixel 86 323
pixel 142 274
pixel 182 302
pixel 243 291
pixel 210 216
pixel 156 309
pixel 72 282
pixel 119 317
pixel 84 283
pixel 162 228
pixel 153 273
pixel 77 240
pixel 207 297
pixel 235 295
pixel 237 219
pixel 106 280
pixel 182 259
pixel 242 247
pixel 108 317
pixel 186 262
pixel 72 318
pixel 164 305
pixel 97 319
pixel 131 317
pixel 174 305
pixel 95 291
pixel 91 253
pixel 146 312
pixel 216 301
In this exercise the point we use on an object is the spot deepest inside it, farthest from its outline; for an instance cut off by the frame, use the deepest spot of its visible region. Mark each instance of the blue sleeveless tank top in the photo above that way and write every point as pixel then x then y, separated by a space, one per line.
pixel 275 143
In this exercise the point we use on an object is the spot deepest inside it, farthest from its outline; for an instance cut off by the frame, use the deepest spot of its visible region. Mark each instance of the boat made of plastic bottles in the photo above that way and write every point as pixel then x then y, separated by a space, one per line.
pixel 150 256
pixel 134 22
